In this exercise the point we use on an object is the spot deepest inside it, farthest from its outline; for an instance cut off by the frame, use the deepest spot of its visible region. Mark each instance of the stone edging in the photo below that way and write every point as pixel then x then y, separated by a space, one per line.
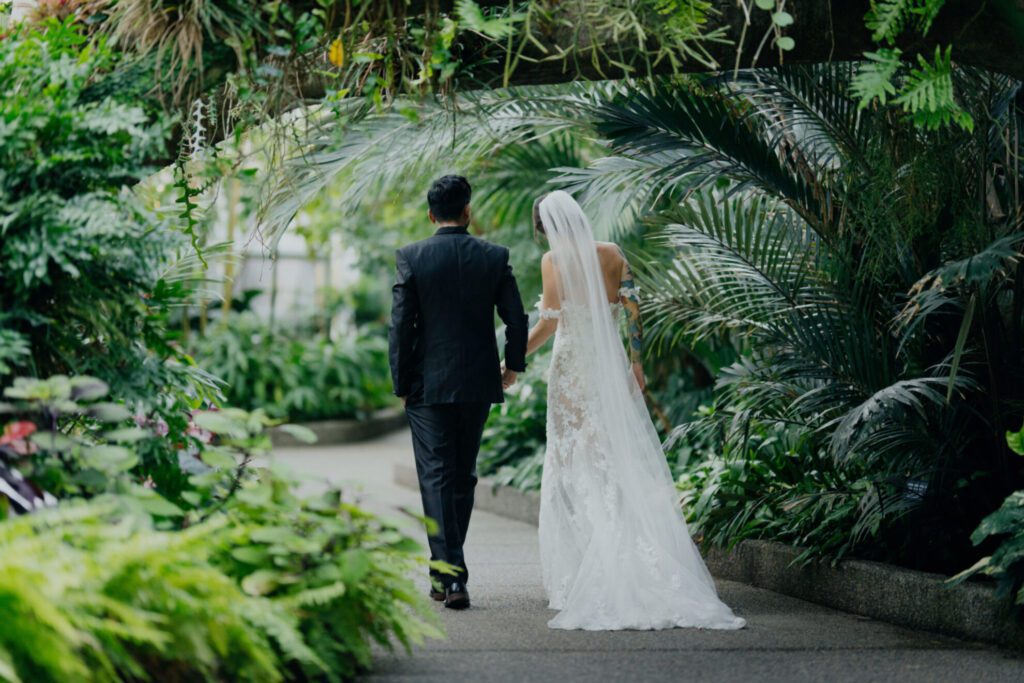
pixel 901 596
pixel 333 432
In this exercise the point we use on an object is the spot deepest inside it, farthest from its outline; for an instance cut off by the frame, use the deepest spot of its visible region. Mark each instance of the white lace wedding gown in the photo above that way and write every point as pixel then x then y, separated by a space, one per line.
pixel 614 546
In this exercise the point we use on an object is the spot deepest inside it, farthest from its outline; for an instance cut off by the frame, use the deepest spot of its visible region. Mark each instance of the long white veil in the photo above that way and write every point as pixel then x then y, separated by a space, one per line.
pixel 639 537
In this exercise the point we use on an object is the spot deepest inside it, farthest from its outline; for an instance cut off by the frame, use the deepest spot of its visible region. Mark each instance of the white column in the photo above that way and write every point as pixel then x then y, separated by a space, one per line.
pixel 21 9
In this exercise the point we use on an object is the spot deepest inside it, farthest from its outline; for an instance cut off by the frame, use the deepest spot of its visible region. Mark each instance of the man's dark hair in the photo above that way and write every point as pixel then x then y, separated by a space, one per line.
pixel 448 196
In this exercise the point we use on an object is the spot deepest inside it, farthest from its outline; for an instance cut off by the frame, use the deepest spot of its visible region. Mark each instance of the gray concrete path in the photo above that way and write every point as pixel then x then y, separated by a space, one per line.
pixel 504 637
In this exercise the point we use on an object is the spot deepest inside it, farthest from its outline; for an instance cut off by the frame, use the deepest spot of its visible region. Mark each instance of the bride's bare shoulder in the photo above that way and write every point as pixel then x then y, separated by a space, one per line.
pixel 609 252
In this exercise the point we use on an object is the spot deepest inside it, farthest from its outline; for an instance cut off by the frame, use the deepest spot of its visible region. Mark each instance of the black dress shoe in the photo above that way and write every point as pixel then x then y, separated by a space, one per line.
pixel 436 590
pixel 456 596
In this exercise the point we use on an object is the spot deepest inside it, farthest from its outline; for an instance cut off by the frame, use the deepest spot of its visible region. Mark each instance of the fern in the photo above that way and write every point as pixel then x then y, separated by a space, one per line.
pixel 874 78
pixel 91 591
pixel 927 90
pixel 928 93
pixel 926 11
pixel 888 18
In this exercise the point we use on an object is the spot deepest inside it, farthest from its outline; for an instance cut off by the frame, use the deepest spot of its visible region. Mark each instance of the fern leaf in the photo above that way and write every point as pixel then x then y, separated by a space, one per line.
pixel 874 79
pixel 926 11
pixel 318 596
pixel 886 19
pixel 928 93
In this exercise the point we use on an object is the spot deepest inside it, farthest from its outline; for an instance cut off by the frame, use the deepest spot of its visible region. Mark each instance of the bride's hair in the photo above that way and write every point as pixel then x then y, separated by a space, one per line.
pixel 538 224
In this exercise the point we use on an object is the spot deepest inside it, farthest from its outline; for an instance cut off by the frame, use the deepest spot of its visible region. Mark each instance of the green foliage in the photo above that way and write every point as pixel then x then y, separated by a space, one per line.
pixel 81 260
pixel 342 570
pixel 753 479
pixel 241 580
pixel 927 94
pixel 80 445
pixel 875 76
pixel 874 316
pixel 66 437
pixel 473 18
pixel 1006 564
pixel 294 375
pixel 887 19
pixel 924 91
pixel 276 588
pixel 512 450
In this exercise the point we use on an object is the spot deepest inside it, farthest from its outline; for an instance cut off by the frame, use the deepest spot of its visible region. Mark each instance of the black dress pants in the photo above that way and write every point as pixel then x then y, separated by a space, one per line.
pixel 446 440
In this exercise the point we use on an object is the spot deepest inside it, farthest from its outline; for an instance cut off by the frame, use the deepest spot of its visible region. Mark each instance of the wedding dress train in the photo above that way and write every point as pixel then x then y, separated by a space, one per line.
pixel 614 546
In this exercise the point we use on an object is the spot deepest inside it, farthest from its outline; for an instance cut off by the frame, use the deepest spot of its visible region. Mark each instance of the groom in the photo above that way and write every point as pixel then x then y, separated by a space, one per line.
pixel 444 364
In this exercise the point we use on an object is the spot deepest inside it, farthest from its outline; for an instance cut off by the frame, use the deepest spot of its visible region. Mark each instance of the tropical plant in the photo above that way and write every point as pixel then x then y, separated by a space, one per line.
pixel 236 578
pixel 512 450
pixel 274 589
pixel 1006 564
pixel 869 269
pixel 297 376
pixel 341 570
pixel 89 276
pixel 65 438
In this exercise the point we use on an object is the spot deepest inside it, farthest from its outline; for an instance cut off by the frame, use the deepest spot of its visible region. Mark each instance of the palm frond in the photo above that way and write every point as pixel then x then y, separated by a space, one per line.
pixel 808 108
pixel 712 138
pixel 382 152
pixel 745 262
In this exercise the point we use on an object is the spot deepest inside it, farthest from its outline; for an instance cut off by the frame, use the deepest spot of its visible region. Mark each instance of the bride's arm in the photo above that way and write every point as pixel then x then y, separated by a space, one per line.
pixel 546 324
pixel 629 295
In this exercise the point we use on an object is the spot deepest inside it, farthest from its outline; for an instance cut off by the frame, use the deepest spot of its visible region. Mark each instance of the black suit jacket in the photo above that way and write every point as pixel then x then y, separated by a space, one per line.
pixel 442 340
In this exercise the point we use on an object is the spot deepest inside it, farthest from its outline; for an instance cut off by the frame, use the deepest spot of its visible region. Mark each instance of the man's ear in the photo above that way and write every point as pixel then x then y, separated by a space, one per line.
pixel 467 215
pixel 430 215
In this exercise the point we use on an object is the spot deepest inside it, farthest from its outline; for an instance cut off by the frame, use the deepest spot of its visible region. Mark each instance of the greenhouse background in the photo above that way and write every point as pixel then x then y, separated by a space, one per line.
pixel 205 473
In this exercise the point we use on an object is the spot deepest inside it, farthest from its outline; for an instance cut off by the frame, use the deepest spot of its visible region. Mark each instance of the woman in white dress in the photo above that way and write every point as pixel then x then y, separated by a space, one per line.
pixel 614 546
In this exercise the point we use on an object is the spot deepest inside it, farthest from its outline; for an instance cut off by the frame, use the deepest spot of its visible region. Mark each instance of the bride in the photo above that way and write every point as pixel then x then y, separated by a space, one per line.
pixel 615 551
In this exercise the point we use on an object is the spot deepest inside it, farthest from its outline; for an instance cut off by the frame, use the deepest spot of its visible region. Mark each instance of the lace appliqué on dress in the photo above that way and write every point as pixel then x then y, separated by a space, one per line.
pixel 547 313
pixel 611 561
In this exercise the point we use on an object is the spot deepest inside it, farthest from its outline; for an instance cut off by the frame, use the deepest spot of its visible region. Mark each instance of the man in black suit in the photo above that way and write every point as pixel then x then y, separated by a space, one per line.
pixel 445 367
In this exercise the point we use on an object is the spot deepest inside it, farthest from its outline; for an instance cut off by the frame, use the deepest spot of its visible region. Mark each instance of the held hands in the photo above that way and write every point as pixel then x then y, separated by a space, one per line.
pixel 508 377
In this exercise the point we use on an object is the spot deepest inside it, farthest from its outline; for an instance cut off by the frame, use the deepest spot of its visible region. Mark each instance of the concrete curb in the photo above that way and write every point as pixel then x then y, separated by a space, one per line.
pixel 334 432
pixel 914 599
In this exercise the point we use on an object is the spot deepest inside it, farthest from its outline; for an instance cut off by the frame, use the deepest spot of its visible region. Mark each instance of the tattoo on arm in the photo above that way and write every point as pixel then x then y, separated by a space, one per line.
pixel 629 295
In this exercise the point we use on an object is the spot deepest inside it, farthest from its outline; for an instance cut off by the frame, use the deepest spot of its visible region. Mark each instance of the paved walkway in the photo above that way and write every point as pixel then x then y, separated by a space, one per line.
pixel 504 636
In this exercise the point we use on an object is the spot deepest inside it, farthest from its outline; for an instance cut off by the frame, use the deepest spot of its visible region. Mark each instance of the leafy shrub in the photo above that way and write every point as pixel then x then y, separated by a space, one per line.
pixel 68 439
pixel 341 569
pixel 87 274
pixel 867 270
pixel 512 449
pixel 273 589
pixel 1006 564
pixel 238 579
pixel 297 378
pixel 756 481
